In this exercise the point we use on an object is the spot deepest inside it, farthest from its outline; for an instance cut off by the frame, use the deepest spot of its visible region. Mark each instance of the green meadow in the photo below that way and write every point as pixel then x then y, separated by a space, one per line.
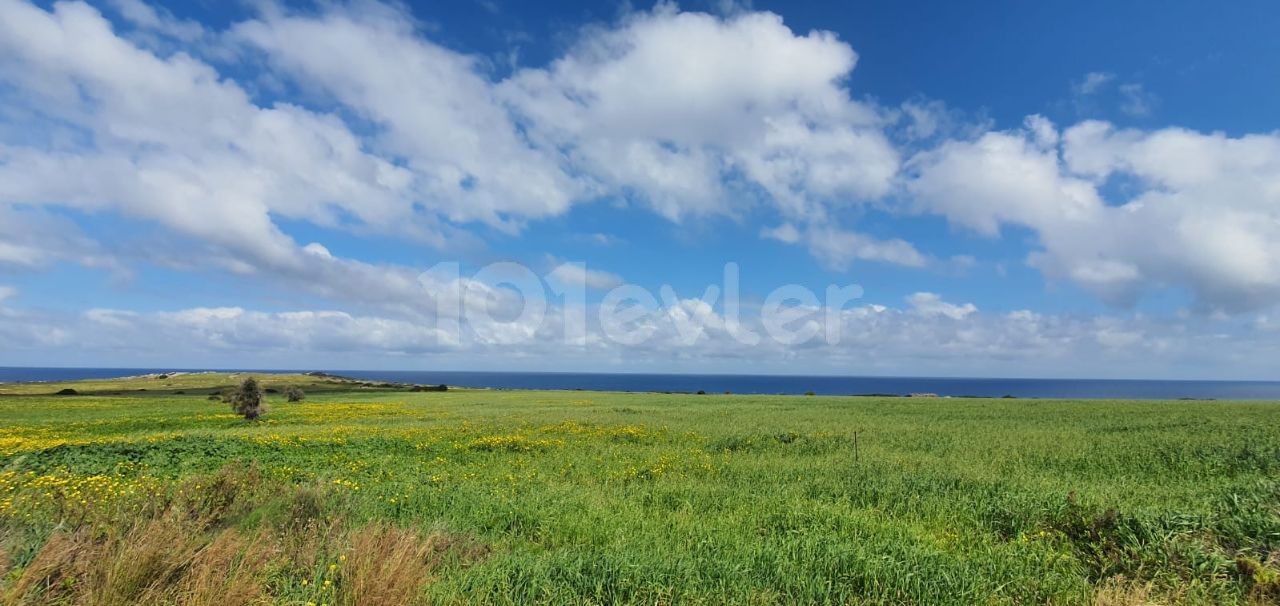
pixel 151 491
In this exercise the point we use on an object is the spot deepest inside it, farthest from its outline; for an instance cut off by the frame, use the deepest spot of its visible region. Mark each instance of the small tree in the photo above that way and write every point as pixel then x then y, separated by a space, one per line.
pixel 247 400
pixel 294 394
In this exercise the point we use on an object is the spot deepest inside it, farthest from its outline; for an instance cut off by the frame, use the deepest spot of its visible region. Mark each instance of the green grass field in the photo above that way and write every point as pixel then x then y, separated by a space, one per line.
pixel 363 495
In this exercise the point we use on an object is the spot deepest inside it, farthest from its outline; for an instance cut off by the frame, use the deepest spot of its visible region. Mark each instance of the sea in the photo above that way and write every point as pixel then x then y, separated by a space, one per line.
pixel 750 384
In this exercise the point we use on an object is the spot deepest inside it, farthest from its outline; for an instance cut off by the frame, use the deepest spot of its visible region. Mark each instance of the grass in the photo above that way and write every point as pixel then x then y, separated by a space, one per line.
pixel 366 494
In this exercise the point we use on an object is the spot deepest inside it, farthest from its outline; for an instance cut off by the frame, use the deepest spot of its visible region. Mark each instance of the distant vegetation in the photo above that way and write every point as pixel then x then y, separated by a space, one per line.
pixel 366 494
pixel 417 388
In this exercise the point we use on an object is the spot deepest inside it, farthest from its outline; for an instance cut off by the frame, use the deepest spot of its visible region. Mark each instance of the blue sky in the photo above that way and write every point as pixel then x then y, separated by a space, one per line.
pixel 1019 188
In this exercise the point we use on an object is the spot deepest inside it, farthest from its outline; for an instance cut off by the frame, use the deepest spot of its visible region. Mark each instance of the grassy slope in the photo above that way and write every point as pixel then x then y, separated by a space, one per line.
pixel 629 498
pixel 153 385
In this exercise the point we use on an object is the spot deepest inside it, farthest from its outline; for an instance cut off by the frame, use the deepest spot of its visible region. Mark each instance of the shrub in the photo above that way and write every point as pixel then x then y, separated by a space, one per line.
pixel 68 392
pixel 294 394
pixel 418 388
pixel 247 400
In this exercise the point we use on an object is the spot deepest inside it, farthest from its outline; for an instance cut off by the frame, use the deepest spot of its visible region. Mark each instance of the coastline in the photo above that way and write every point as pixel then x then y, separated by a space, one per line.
pixel 694 384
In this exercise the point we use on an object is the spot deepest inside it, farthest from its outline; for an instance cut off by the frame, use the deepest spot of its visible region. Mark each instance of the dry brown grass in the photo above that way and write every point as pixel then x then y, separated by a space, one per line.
pixel 187 552
pixel 1261 578
pixel 229 571
pixel 388 565
pixel 48 573
pixel 1122 592
pixel 160 561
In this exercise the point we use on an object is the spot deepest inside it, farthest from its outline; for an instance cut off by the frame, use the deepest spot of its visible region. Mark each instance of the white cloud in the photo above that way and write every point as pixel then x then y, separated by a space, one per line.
pixel 1205 215
pixel 1043 132
pixel 931 304
pixel 31 238
pixel 1137 101
pixel 930 336
pixel 1001 177
pixel 317 249
pixel 603 239
pixel 431 106
pixel 1115 338
pixel 7 292
pixel 923 119
pixel 1093 82
pixel 786 233
pixel 665 107
pixel 669 104
pixel 961 263
pixel 168 140
pixel 576 274
pixel 920 121
pixel 1102 90
pixel 234 328
pixel 691 113
pixel 157 19
pixel 837 248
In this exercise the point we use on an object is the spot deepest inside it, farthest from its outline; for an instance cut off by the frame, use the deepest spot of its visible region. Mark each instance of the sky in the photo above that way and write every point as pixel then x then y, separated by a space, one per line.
pixel 1009 189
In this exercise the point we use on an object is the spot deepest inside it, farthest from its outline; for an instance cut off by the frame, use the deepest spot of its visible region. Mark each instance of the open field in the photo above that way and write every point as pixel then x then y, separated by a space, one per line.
pixel 363 495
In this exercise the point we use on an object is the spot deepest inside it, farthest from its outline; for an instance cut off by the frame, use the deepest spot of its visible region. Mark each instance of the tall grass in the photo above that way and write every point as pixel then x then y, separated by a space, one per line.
pixel 573 497
pixel 211 543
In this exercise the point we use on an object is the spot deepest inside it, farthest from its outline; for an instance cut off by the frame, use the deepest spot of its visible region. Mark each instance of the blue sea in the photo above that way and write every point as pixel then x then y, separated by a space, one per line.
pixel 755 384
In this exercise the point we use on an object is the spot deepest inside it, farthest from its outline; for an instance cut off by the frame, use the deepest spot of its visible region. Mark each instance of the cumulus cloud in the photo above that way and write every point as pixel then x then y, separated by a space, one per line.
pixel 1001 177
pixel 1205 214
pixel 669 104
pixel 431 106
pixel 665 107
pixel 684 112
pixel 170 142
